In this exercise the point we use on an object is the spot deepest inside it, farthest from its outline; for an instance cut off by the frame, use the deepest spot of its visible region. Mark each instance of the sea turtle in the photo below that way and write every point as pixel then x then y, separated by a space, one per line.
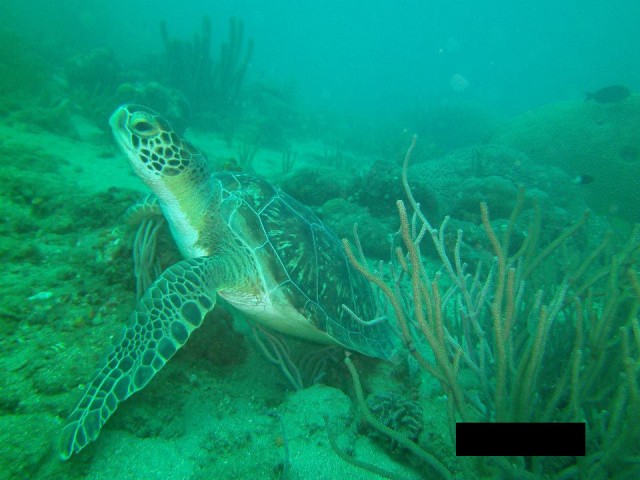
pixel 244 243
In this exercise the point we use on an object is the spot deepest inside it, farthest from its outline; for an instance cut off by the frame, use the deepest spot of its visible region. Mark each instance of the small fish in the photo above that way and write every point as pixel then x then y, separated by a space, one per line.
pixel 612 94
pixel 583 179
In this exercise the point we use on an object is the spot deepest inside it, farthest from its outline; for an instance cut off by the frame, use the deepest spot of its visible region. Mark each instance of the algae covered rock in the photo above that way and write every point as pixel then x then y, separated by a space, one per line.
pixel 374 232
pixel 492 174
pixel 601 140
pixel 382 186
pixel 315 186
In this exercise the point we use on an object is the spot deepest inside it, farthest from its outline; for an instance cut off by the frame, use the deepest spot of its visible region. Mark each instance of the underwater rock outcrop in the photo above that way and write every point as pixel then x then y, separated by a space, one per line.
pixel 491 173
pixel 586 138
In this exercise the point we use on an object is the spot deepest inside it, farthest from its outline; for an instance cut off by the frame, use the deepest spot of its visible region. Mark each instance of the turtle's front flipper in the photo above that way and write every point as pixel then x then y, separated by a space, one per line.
pixel 147 207
pixel 170 310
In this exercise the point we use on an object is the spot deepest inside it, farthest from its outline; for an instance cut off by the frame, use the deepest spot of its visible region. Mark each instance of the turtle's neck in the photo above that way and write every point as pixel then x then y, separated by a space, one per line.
pixel 187 201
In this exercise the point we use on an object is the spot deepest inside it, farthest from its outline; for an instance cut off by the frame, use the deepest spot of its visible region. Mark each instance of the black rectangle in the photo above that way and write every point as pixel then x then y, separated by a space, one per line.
pixel 520 439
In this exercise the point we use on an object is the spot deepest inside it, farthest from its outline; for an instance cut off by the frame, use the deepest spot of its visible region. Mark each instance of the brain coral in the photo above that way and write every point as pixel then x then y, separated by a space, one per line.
pixel 601 140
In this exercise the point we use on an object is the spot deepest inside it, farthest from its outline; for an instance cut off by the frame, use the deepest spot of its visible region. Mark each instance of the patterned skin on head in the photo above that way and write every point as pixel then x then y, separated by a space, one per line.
pixel 153 145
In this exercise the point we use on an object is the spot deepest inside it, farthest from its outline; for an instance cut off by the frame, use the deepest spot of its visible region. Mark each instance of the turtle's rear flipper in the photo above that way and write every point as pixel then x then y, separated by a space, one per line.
pixel 170 310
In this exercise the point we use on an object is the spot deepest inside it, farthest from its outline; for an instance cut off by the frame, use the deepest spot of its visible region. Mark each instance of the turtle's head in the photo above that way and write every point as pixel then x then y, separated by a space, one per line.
pixel 157 153
pixel 175 170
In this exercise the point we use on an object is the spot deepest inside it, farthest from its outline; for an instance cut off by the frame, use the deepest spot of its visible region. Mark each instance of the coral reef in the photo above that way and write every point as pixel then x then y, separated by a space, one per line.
pixel 380 187
pixel 546 332
pixel 399 414
pixel 491 173
pixel 341 215
pixel 452 185
pixel 597 139
pixel 315 186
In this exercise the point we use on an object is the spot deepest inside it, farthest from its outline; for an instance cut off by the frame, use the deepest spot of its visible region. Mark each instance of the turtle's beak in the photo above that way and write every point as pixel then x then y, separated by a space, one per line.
pixel 119 127
pixel 118 120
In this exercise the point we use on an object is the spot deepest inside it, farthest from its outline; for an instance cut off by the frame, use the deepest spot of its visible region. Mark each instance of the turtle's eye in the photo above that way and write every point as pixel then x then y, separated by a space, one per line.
pixel 144 127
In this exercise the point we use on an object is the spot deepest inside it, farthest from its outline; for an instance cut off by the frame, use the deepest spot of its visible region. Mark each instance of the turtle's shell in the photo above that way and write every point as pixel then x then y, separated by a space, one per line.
pixel 306 261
